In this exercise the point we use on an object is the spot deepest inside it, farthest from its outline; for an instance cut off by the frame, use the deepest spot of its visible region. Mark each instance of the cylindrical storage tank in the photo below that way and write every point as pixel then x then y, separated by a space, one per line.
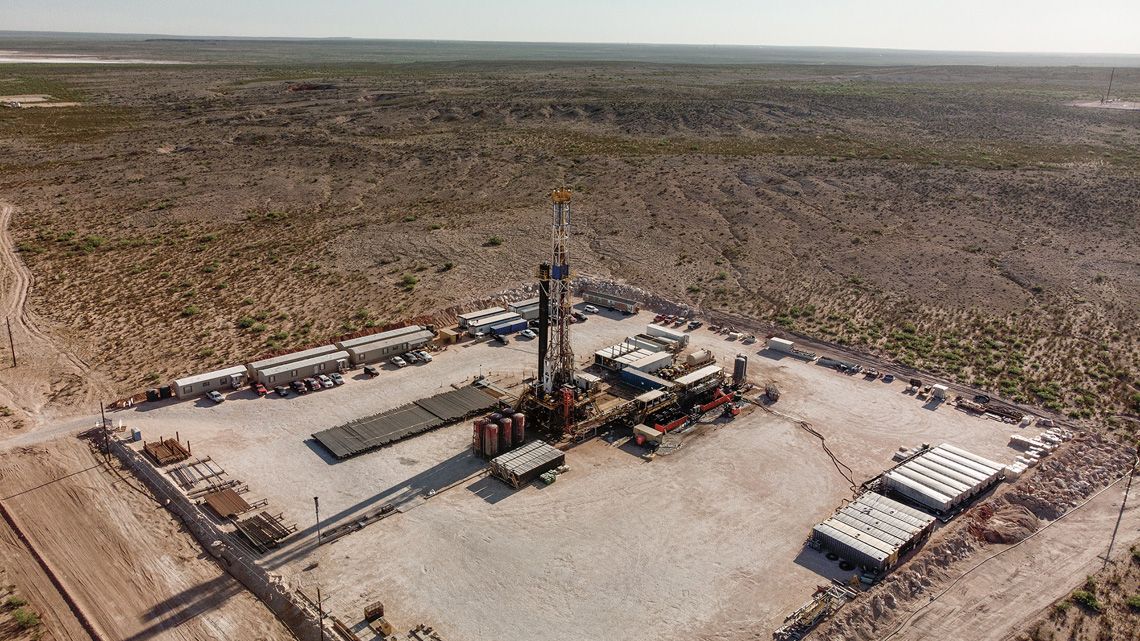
pixel 491 440
pixel 477 437
pixel 740 369
pixel 505 435
pixel 494 418
pixel 518 424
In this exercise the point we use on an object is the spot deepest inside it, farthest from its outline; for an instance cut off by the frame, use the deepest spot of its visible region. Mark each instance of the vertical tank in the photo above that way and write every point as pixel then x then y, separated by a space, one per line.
pixel 740 370
pixel 505 435
pixel 477 437
pixel 518 423
pixel 494 418
pixel 491 440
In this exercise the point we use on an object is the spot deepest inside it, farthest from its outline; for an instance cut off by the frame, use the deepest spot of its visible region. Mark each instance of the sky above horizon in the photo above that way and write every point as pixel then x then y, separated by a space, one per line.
pixel 1057 26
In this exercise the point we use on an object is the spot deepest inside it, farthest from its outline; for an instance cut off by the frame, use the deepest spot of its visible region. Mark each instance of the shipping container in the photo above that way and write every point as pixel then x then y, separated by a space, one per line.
pixel 509 327
pixel 486 323
pixel 643 380
pixel 781 345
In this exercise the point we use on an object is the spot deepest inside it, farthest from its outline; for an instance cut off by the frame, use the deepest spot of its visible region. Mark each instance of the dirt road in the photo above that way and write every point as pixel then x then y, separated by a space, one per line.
pixel 1014 588
pixel 122 558
pixel 49 380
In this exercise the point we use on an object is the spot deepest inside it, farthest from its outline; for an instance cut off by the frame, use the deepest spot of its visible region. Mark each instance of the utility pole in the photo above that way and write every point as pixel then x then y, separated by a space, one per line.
pixel 11 343
pixel 1119 517
pixel 1108 94
pixel 106 434
pixel 317 507
pixel 320 614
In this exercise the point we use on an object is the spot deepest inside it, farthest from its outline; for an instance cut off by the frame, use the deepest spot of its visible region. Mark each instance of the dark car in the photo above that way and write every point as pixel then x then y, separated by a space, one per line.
pixel 533 323
pixel 371 370
pixel 281 391
pixel 502 338
pixel 982 399
pixel 694 324
pixel 299 387
pixel 313 384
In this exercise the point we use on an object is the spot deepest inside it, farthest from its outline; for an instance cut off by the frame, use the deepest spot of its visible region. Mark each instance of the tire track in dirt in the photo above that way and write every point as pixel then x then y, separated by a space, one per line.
pixel 46 372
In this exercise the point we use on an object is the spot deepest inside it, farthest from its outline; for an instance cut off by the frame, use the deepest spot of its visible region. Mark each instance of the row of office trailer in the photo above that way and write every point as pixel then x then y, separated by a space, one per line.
pixel 283 369
pixel 943 478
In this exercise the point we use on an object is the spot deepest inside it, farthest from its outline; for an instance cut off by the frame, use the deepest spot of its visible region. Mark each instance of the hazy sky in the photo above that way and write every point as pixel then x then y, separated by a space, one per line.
pixel 1103 26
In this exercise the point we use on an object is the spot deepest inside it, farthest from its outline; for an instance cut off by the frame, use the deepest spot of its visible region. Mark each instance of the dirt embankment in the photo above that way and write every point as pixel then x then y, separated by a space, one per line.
pixel 1074 473
pixel 126 563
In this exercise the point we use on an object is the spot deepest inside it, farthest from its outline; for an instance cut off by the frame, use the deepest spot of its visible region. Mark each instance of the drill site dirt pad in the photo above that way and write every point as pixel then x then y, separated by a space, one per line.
pixel 369 433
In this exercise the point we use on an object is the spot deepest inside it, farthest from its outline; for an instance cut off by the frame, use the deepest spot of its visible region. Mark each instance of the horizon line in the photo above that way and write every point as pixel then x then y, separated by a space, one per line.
pixel 572 42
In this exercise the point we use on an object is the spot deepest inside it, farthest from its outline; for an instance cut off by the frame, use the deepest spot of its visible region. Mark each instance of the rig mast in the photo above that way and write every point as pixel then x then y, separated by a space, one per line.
pixel 558 365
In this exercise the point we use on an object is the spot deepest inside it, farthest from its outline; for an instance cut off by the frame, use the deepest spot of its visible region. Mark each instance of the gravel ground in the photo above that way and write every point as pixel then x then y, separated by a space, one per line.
pixel 688 542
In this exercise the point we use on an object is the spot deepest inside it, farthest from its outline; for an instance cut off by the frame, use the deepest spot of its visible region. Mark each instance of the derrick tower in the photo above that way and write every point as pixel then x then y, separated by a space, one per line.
pixel 557 367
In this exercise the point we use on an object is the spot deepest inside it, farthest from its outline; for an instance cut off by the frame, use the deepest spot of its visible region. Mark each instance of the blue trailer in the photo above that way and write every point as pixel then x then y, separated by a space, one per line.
pixel 644 380
pixel 509 327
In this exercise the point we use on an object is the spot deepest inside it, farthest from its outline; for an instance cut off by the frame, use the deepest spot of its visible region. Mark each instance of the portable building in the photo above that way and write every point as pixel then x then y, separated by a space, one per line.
pixel 485 323
pixel 939 391
pixel 528 308
pixel 653 361
pixel 607 356
pixel 586 380
pixel 377 351
pixel 651 343
pixel 644 380
pixel 611 301
pixel 873 531
pixel 312 366
pixel 228 378
pixel 465 320
pixel 781 345
pixel 627 360
pixel 524 464
pixel 943 478
pixel 375 338
pixel 266 363
pixel 700 376
pixel 667 332
pixel 509 327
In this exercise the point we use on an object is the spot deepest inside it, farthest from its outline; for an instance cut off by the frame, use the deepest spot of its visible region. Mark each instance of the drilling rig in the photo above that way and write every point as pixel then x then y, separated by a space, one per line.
pixel 554 401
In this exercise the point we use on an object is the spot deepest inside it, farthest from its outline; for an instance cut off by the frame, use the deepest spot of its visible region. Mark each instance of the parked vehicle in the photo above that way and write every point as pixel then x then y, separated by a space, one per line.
pixel 694 324
pixel 281 391
pixel 260 389
pixel 591 309
pixel 215 395
pixel 658 318
pixel 526 333
pixel 398 362
pixel 424 356
pixel 371 370
pixel 580 316
pixel 888 378
pixel 533 323
pixel 299 387
pixel 313 384
pixel 410 358
pixel 337 379
pixel 502 338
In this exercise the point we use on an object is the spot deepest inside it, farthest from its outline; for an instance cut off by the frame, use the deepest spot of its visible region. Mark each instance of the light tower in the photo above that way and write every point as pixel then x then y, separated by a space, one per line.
pixel 558 365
